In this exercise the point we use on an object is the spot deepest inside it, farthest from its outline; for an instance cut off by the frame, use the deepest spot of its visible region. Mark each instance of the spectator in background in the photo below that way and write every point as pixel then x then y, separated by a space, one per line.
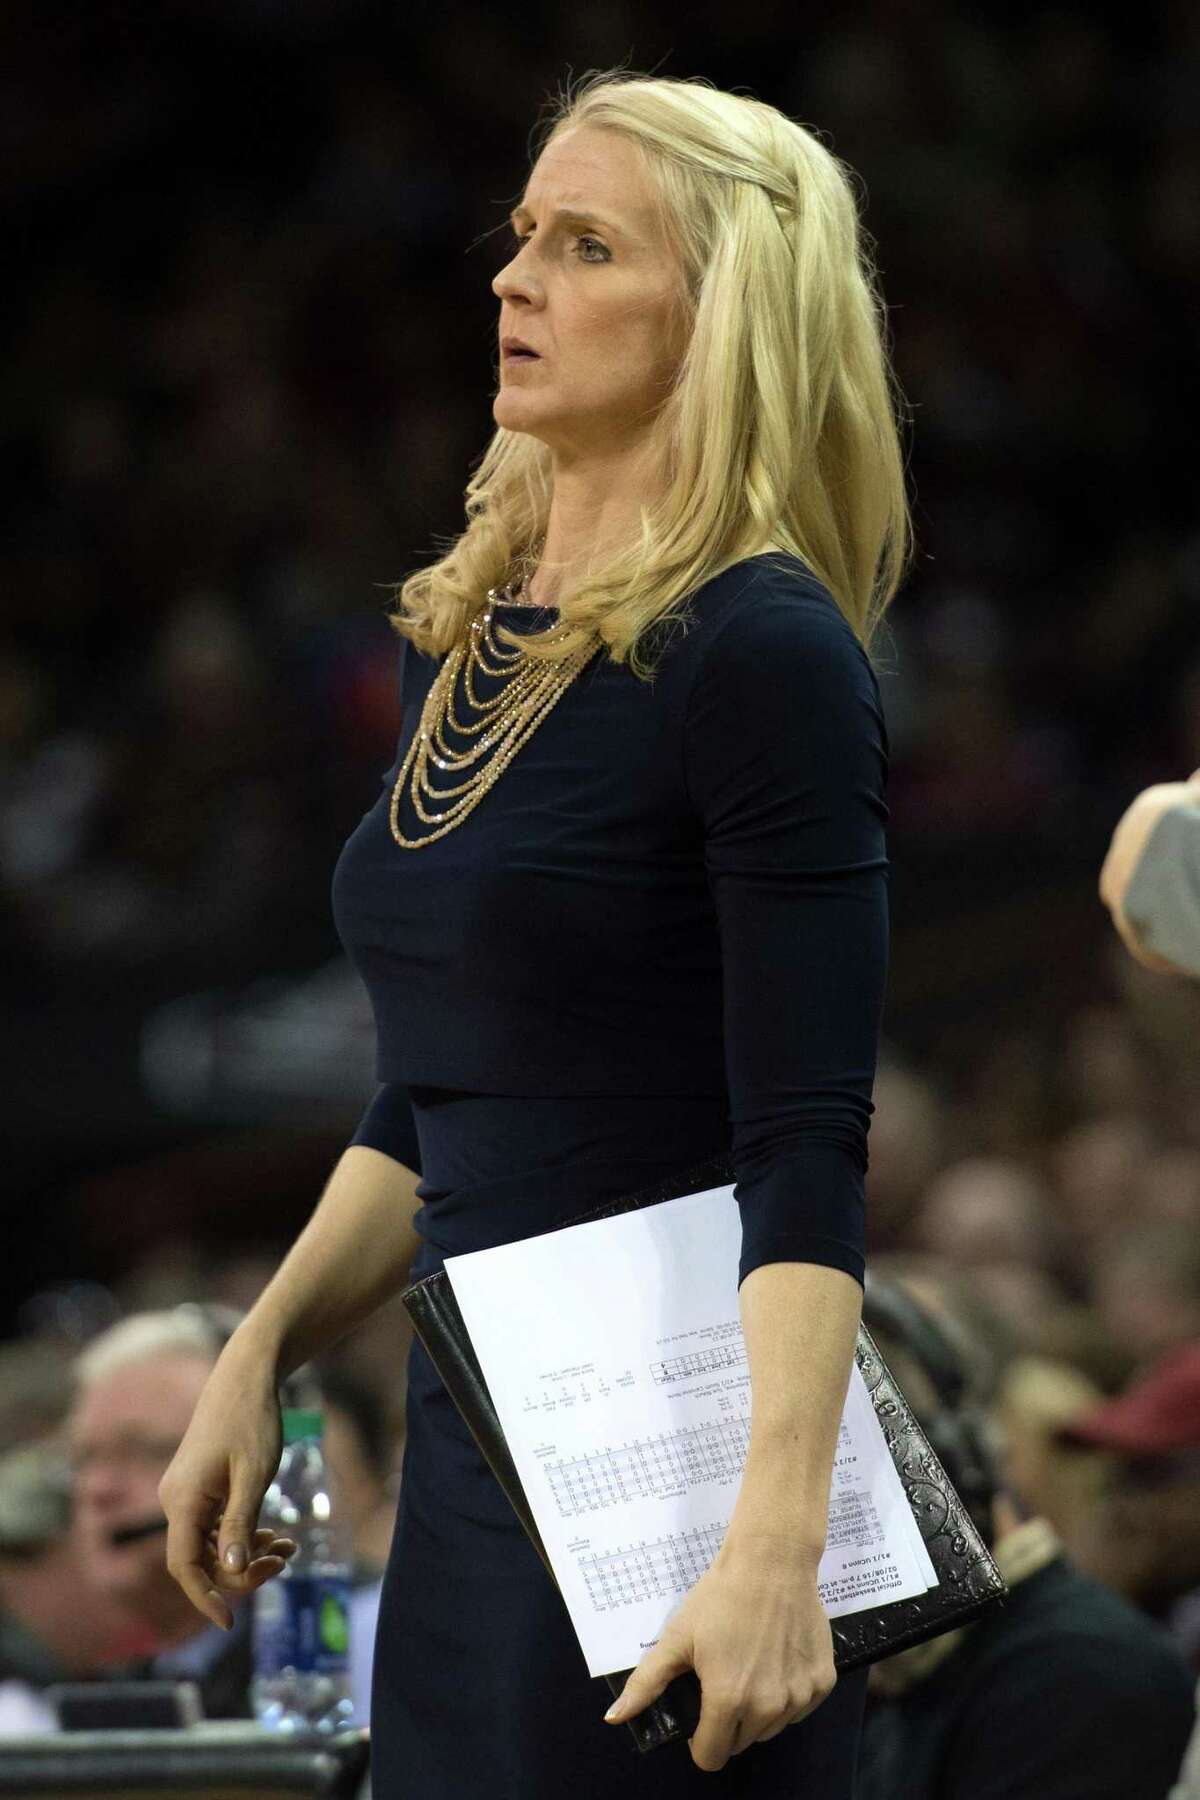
pixel 957 1718
pixel 990 1216
pixel 1150 880
pixel 985 1210
pixel 54 1626
pixel 138 1383
pixel 1145 1541
pixel 1146 1289
pixel 1035 1398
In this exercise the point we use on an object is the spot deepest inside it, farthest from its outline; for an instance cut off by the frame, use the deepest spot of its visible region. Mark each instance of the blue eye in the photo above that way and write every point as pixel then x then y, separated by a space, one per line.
pixel 518 238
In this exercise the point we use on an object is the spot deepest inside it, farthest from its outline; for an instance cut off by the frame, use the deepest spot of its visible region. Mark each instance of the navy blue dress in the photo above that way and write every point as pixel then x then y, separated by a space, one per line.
pixel 660 936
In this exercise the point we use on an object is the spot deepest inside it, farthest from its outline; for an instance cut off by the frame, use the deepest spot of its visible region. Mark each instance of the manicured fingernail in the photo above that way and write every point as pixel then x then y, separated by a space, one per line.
pixel 235 1558
pixel 611 1714
pixel 220 1616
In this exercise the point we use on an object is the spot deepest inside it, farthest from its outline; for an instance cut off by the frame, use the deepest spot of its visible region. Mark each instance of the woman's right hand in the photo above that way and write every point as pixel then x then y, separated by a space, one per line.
pixel 215 1483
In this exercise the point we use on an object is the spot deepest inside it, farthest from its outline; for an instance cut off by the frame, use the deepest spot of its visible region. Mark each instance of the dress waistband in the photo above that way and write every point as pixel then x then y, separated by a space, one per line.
pixel 496 1168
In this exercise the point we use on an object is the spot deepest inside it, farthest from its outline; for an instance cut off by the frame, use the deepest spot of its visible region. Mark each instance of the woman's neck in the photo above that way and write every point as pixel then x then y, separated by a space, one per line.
pixel 594 511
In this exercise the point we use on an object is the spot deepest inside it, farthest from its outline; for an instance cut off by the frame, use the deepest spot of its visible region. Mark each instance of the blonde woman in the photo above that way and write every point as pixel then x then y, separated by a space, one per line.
pixel 621 905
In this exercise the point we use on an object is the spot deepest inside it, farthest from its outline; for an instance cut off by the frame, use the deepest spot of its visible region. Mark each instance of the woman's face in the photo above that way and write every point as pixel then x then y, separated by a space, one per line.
pixel 589 288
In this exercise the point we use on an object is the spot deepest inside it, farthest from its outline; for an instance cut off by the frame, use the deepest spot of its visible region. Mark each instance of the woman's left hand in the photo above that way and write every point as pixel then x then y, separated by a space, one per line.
pixel 754 1630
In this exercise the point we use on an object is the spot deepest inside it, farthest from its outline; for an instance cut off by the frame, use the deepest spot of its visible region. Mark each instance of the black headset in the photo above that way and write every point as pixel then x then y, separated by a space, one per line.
pixel 957 1429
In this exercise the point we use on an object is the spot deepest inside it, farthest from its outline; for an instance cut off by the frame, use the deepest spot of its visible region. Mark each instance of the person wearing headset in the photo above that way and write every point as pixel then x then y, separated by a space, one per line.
pixel 1064 1693
pixel 136 1385
pixel 1150 878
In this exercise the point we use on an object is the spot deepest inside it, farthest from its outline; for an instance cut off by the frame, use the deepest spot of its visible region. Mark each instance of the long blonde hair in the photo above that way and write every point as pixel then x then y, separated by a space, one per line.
pixel 780 431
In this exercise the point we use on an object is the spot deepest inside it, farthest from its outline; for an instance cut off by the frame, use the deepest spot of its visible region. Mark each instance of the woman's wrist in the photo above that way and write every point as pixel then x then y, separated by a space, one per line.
pixel 770 1516
pixel 766 1540
pixel 258 1344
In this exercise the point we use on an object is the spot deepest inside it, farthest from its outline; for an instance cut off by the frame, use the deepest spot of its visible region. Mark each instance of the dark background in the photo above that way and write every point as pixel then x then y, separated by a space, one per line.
pixel 249 334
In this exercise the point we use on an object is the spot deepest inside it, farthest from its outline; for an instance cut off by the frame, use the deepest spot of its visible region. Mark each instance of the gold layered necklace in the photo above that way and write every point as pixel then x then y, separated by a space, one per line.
pixel 499 724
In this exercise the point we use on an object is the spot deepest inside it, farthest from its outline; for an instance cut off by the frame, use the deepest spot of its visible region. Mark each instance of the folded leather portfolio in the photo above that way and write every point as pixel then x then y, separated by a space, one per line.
pixel 968 1579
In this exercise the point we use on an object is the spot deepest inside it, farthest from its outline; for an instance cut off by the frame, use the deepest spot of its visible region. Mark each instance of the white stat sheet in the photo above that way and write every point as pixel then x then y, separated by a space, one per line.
pixel 624 1394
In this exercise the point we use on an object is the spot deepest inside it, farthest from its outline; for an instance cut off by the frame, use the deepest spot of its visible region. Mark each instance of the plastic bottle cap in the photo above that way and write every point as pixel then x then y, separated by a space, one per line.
pixel 300 1422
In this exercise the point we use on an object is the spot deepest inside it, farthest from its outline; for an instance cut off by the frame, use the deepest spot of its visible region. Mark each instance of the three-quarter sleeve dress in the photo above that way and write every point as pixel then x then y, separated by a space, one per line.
pixel 662 935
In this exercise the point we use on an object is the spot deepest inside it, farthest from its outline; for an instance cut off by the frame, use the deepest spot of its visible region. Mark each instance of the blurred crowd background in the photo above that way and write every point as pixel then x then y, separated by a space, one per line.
pixel 250 358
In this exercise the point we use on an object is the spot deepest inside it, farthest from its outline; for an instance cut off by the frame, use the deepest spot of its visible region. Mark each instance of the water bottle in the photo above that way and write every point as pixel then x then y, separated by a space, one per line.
pixel 301 1617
